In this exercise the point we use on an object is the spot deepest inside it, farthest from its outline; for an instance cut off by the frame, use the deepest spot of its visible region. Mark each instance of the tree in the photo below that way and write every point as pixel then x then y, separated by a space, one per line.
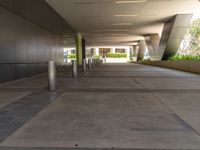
pixel 194 32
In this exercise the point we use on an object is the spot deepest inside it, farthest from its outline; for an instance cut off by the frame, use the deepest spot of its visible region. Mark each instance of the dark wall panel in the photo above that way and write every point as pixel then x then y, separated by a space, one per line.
pixel 7 42
pixel 31 34
pixel 7 72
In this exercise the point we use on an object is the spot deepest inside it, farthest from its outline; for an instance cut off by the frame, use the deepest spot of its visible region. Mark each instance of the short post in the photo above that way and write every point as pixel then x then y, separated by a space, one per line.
pixel 93 62
pixel 74 69
pixel 101 61
pixel 84 65
pixel 52 75
pixel 90 64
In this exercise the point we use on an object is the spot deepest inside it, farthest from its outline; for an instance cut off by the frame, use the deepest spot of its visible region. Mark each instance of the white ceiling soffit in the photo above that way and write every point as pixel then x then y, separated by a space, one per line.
pixel 119 22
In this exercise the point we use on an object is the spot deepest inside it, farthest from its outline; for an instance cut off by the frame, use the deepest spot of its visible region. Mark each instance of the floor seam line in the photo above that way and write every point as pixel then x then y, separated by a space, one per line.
pixel 171 110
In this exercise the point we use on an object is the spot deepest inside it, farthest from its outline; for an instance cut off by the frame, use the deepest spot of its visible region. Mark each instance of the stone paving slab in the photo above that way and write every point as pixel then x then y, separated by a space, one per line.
pixel 102 120
pixel 153 74
pixel 169 83
pixel 114 106
pixel 186 105
pixel 112 83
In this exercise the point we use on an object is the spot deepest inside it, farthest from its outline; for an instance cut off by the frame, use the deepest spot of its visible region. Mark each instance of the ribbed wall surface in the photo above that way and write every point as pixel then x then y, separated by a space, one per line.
pixel 31 34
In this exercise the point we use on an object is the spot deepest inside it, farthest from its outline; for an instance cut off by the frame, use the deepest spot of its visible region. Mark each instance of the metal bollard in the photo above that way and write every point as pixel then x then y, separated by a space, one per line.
pixel 52 75
pixel 93 63
pixel 84 65
pixel 74 69
pixel 101 61
pixel 90 64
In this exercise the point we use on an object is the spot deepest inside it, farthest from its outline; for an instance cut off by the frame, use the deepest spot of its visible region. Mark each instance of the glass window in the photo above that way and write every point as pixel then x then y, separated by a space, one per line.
pixel 118 50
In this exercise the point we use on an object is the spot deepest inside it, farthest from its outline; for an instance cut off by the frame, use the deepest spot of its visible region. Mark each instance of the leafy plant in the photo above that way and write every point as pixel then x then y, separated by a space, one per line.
pixel 184 57
pixel 191 42
pixel 72 56
pixel 97 57
pixel 116 55
pixel 195 35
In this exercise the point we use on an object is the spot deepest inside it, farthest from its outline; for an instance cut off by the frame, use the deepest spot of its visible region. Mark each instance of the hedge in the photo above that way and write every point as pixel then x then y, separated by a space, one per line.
pixel 72 56
pixel 116 55
pixel 97 57
pixel 184 57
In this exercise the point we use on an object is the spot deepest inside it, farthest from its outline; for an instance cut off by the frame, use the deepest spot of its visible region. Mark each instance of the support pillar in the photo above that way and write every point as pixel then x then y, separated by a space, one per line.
pixel 141 51
pixel 135 52
pixel 153 41
pixel 173 34
pixel 84 49
pixel 79 51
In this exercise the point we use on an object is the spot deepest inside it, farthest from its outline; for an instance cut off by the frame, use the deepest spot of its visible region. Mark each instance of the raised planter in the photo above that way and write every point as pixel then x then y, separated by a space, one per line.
pixel 190 66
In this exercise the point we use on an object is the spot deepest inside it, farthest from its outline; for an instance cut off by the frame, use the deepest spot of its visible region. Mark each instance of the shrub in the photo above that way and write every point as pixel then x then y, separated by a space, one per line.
pixel 72 56
pixel 116 55
pixel 184 57
pixel 97 57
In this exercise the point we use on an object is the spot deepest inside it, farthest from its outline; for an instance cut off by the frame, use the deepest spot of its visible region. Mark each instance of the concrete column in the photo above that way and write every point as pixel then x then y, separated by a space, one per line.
pixel 141 51
pixel 135 49
pixel 79 52
pixel 52 75
pixel 135 52
pixel 173 33
pixel 83 49
pixel 153 41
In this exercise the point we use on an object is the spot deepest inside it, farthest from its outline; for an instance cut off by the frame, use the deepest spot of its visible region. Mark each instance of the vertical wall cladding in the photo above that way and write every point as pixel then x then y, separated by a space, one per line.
pixel 30 36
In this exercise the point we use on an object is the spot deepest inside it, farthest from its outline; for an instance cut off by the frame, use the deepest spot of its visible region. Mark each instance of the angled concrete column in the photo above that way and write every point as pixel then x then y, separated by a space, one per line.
pixel 79 52
pixel 141 51
pixel 153 41
pixel 173 34
pixel 134 52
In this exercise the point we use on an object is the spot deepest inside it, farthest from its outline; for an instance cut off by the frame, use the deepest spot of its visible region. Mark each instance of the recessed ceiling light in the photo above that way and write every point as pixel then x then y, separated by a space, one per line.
pixel 122 24
pixel 125 15
pixel 132 1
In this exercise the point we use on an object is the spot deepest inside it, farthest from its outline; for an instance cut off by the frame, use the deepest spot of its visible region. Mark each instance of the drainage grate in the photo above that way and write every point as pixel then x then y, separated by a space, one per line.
pixel 14 115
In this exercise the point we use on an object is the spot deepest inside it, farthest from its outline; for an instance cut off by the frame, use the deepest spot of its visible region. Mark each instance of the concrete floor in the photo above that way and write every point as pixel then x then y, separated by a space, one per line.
pixel 113 106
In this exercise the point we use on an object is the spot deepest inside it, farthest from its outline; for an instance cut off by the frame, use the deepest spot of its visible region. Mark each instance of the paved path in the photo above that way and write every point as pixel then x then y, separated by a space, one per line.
pixel 120 106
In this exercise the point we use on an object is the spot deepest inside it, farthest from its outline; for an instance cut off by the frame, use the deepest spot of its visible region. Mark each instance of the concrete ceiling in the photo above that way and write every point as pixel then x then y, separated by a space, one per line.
pixel 119 22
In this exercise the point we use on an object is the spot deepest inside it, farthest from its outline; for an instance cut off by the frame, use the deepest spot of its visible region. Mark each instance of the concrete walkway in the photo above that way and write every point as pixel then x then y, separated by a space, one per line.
pixel 120 106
